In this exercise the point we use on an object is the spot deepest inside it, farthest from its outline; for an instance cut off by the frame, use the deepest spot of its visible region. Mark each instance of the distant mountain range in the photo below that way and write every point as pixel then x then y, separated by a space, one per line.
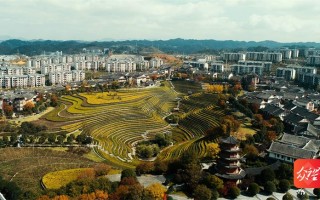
pixel 179 46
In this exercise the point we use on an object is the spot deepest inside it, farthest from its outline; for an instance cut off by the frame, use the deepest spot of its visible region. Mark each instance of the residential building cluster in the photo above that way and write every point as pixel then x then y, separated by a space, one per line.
pixel 254 56
pixel 14 76
pixel 297 110
pixel 57 68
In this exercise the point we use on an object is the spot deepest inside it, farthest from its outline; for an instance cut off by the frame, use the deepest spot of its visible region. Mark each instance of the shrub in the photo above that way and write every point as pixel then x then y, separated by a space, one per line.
pixel 271 198
pixel 267 175
pixel 253 189
pixel 126 173
pixel 269 187
pixel 284 185
pixel 302 195
pixel 287 196
pixel 202 193
pixel 316 191
pixel 233 192
pixel 215 194
pixel 144 168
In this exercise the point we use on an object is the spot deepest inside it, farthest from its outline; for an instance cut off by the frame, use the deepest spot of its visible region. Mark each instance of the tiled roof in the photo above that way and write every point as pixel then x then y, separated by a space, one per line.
pixel 293 139
pixel 305 113
pixel 293 118
pixel 290 151
pixel 229 140
pixel 289 106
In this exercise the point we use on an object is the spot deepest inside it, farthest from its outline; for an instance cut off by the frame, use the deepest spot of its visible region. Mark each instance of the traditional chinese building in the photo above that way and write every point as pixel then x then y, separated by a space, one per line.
pixel 228 165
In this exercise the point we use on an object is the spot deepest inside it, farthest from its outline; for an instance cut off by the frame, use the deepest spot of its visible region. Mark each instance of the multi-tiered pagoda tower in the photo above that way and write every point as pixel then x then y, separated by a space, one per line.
pixel 228 165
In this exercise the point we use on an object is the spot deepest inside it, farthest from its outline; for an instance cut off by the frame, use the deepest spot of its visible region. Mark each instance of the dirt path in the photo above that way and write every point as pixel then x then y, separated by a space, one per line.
pixel 31 117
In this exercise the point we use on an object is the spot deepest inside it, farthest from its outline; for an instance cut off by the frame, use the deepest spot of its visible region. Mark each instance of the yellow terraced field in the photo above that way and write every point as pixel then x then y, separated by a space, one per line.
pixel 117 120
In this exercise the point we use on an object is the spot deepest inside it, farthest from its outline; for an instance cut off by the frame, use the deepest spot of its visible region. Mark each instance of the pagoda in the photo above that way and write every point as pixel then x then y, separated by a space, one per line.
pixel 228 165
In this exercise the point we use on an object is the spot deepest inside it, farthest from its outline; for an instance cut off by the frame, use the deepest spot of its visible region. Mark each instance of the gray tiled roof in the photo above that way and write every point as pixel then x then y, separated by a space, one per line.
pixel 290 151
pixel 229 140
pixel 293 139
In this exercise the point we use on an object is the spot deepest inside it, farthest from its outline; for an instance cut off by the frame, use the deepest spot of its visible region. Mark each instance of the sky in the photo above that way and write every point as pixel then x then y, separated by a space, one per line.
pixel 95 20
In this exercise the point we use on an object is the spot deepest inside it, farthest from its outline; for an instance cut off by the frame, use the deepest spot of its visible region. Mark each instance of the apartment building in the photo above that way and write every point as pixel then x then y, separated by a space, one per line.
pixel 217 67
pixel 233 57
pixel 65 77
pixel 143 65
pixel 303 69
pixel 155 62
pixel 266 65
pixel 264 56
pixel 313 60
pixel 199 65
pixel 286 73
pixel 309 78
pixel 121 66
pixel 247 69
pixel 286 53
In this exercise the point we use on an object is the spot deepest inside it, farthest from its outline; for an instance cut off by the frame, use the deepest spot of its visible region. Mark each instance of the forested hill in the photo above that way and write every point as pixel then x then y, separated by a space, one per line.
pixel 180 46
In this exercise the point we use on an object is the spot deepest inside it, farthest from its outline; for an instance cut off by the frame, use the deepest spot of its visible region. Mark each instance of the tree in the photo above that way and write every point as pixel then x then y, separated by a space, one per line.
pixel 54 100
pixel 144 168
pixel 267 175
pixel 269 187
pixel 162 140
pixel 191 175
pixel 215 88
pixel 44 197
pixel 234 192
pixel 271 136
pixel 52 138
pixel 254 107
pixel 28 107
pixel 9 189
pixel 316 191
pixel 160 166
pixel 213 182
pixel 70 139
pixel 155 191
pixel 60 139
pixel 61 197
pixel 284 185
pixel 250 151
pixel 7 109
pixel 145 151
pixel 202 193
pixel 213 150
pixel 98 194
pixel 287 196
pixel 129 189
pixel 101 169
pixel 285 171
pixel 253 189
pixel 128 173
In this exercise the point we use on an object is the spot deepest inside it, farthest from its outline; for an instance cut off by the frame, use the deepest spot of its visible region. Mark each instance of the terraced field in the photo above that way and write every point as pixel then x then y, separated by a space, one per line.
pixel 198 113
pixel 117 120
pixel 27 166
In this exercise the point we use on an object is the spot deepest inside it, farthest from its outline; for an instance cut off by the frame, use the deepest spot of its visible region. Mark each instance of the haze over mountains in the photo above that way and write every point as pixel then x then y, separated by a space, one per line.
pixel 179 46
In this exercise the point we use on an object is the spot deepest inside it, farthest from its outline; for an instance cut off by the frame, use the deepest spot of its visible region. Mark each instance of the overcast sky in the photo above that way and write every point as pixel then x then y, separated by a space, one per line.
pixel 257 20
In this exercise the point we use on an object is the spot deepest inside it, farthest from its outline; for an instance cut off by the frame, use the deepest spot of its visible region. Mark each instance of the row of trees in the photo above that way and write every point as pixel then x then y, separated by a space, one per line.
pixel 91 185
